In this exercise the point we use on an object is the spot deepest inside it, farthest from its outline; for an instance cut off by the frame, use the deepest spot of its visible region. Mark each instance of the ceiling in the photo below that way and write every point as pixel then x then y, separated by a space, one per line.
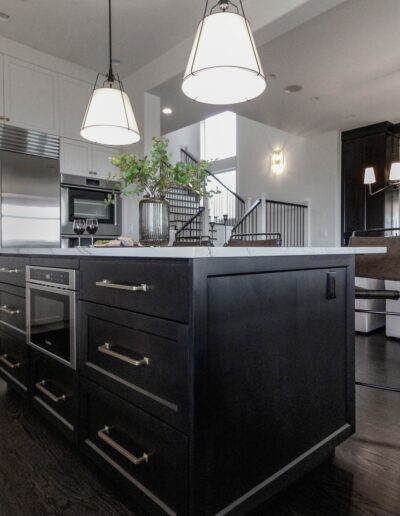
pixel 348 57
pixel 77 30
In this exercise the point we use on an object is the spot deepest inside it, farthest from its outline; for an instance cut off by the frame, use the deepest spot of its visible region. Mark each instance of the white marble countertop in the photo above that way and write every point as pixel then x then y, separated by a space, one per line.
pixel 194 252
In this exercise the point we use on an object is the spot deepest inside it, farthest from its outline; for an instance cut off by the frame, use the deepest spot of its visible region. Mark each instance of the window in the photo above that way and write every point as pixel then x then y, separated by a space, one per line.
pixel 219 136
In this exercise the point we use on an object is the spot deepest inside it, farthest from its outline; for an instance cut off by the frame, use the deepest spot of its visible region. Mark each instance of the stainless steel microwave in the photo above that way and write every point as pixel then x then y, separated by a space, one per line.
pixel 83 198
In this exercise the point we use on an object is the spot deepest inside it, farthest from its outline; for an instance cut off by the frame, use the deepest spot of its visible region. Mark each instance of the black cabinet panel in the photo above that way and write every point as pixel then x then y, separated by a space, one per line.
pixel 55 393
pixel 277 375
pixel 12 270
pixel 140 358
pixel 143 454
pixel 12 308
pixel 166 282
pixel 14 365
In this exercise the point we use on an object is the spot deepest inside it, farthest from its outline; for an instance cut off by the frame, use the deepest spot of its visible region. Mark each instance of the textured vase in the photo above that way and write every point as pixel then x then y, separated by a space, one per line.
pixel 154 221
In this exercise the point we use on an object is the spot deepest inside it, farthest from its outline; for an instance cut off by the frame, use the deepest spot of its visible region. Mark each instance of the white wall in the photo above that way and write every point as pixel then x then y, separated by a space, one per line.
pixel 312 174
pixel 187 137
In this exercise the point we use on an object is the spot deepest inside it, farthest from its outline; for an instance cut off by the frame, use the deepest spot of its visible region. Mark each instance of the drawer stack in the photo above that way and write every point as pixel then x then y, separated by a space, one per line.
pixel 14 363
pixel 134 394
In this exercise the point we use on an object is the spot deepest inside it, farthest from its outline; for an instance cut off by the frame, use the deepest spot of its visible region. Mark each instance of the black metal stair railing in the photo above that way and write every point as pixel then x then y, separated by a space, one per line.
pixel 281 218
pixel 191 230
pixel 226 207
pixel 288 219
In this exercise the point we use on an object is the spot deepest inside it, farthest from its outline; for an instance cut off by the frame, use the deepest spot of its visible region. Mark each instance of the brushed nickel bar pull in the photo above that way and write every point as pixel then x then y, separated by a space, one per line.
pixel 41 386
pixel 132 288
pixel 10 365
pixel 10 311
pixel 104 436
pixel 106 348
pixel 10 271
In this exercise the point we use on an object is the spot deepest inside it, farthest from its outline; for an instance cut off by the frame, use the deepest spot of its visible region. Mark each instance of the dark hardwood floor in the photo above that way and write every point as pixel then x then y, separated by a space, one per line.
pixel 41 475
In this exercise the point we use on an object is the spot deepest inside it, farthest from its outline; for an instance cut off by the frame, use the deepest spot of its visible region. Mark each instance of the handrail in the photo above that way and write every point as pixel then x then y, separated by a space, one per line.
pixel 215 176
pixel 187 223
pixel 252 208
pixel 376 230
pixel 287 203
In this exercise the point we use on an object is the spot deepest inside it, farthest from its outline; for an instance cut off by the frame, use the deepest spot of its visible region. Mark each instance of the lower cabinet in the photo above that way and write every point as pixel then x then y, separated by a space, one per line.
pixel 14 365
pixel 139 452
pixel 55 391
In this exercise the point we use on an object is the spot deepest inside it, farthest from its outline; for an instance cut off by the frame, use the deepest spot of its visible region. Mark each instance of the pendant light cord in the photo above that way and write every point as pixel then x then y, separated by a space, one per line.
pixel 111 76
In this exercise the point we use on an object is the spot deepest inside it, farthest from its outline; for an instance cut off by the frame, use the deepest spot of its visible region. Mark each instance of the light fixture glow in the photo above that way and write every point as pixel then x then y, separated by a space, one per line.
pixel 109 117
pixel 369 176
pixel 395 172
pixel 167 111
pixel 224 66
pixel 277 162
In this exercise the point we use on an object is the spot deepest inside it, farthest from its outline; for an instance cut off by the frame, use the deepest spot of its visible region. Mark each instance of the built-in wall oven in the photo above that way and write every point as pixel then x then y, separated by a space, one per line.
pixel 83 198
pixel 51 312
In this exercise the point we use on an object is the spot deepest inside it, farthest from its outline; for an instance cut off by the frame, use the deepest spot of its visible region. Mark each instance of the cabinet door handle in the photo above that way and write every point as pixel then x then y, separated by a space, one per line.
pixel 41 386
pixel 105 436
pixel 9 310
pixel 106 348
pixel 132 288
pixel 10 271
pixel 8 363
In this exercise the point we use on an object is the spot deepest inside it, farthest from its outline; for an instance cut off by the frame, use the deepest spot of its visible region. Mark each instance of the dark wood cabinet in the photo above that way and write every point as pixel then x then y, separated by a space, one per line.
pixel 372 146
pixel 209 390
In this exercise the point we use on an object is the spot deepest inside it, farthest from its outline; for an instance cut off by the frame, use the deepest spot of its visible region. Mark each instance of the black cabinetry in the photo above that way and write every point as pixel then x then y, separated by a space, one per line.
pixel 371 146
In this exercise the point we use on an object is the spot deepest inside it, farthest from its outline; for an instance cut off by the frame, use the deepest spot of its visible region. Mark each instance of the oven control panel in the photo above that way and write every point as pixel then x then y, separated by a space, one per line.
pixel 52 277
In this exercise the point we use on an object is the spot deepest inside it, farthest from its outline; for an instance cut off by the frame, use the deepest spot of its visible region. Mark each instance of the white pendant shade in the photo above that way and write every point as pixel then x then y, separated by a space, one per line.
pixel 109 118
pixel 224 66
pixel 395 172
pixel 369 176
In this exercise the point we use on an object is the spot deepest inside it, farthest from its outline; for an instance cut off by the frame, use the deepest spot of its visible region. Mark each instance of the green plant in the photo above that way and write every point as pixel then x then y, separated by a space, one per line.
pixel 154 176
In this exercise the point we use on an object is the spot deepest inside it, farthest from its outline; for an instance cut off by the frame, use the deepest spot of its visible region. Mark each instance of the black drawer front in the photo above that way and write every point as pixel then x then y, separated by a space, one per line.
pixel 12 270
pixel 166 285
pixel 55 392
pixel 138 451
pixel 140 358
pixel 12 307
pixel 14 365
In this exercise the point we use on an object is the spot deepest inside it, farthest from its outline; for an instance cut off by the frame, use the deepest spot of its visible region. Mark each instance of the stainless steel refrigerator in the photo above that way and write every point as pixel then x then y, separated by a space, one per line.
pixel 29 188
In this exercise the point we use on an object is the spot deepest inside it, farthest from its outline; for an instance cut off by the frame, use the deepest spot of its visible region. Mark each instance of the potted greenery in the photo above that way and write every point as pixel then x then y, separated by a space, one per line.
pixel 154 177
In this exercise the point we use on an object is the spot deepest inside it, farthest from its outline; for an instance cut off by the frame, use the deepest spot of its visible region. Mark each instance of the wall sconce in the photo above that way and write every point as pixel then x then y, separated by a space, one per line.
pixel 277 162
pixel 394 178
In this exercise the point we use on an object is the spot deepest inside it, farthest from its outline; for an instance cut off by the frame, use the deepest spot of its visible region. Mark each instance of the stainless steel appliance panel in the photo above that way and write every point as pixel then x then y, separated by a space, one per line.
pixel 30 200
pixel 82 198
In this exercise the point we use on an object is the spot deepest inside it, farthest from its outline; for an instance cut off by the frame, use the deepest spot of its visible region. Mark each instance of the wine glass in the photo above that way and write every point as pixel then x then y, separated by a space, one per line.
pixel 79 229
pixel 92 225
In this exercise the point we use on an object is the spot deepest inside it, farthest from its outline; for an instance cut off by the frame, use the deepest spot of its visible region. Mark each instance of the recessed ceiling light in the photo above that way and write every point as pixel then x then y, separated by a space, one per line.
pixel 4 17
pixel 116 61
pixel 272 75
pixel 315 98
pixel 167 111
pixel 293 88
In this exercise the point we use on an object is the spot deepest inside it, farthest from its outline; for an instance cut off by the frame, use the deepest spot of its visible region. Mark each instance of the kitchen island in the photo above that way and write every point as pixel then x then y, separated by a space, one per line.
pixel 201 380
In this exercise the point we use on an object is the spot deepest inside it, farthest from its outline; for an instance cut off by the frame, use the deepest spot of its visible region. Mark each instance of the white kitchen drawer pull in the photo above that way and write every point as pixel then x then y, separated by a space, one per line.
pixel 106 348
pixel 41 386
pixel 10 365
pixel 10 271
pixel 104 436
pixel 10 311
pixel 132 288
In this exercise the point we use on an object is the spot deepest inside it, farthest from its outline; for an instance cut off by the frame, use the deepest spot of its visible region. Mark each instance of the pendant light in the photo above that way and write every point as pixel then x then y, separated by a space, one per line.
pixel 109 117
pixel 224 66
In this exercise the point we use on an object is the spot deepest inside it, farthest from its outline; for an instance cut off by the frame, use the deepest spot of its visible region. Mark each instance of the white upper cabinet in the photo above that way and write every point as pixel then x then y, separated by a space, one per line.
pixel 1 87
pixel 30 96
pixel 75 157
pixel 102 166
pixel 74 98
pixel 86 159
